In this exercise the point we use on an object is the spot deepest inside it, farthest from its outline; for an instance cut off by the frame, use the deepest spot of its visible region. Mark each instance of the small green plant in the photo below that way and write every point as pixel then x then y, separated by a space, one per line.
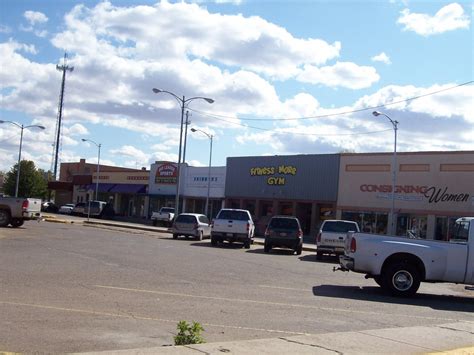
pixel 188 334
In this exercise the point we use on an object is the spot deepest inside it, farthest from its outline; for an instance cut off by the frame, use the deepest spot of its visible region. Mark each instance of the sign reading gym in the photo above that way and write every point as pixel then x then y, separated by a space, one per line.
pixel 276 174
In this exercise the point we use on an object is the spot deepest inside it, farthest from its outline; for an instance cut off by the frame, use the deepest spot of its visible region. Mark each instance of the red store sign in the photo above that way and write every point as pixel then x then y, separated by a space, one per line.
pixel 166 174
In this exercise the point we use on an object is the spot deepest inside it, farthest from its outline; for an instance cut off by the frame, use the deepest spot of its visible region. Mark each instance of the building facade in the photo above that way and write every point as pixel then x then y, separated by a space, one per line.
pixel 432 190
pixel 301 185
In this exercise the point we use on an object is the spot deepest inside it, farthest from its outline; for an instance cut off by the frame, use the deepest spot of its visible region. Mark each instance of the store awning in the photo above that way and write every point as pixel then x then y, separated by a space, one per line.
pixel 104 187
pixel 129 188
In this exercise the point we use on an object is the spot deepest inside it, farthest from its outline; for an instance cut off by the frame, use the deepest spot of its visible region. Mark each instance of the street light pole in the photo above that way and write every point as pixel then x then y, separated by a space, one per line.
pixel 210 136
pixel 22 127
pixel 182 101
pixel 394 169
pixel 98 145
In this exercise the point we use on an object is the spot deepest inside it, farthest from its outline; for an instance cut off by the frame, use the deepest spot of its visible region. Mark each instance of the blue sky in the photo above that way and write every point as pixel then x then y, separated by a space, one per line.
pixel 263 62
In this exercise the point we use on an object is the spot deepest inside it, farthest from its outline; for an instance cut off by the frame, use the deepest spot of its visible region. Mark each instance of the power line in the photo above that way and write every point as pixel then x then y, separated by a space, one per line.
pixel 334 114
pixel 301 133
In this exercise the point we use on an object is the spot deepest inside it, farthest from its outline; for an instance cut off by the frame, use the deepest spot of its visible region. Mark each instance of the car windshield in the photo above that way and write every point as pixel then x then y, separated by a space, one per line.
pixel 234 215
pixel 339 227
pixel 185 219
pixel 284 223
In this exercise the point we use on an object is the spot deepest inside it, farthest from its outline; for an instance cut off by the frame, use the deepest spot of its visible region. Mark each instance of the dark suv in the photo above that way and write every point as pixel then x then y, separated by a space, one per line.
pixel 284 231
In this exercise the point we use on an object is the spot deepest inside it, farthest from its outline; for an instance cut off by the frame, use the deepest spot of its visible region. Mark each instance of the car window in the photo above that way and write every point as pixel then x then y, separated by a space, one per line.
pixel 203 219
pixel 234 215
pixel 461 232
pixel 286 223
pixel 339 227
pixel 186 219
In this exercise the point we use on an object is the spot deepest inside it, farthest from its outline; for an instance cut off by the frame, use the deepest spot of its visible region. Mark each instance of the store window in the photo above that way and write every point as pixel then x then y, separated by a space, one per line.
pixel 444 227
pixel 369 222
pixel 412 226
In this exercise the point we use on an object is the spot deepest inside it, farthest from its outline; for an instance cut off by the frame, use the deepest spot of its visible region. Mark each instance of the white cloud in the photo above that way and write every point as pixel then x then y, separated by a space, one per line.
pixel 35 17
pixel 382 57
pixel 344 74
pixel 449 18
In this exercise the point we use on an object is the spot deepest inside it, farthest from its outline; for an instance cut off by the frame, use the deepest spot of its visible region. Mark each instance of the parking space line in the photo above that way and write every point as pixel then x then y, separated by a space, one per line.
pixel 343 310
pixel 135 317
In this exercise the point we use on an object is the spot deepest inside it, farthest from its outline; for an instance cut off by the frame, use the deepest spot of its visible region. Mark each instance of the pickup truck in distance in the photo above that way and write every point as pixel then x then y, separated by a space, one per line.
pixel 165 216
pixel 233 225
pixel 399 264
pixel 15 211
pixel 332 237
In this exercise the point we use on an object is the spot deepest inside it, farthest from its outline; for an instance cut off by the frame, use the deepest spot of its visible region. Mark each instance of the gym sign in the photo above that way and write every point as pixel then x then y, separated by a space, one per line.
pixel 275 174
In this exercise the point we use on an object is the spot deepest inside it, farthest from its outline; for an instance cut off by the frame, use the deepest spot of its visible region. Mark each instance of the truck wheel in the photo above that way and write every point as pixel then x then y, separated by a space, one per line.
pixel 379 281
pixel 4 218
pixel 155 222
pixel 175 236
pixel 319 255
pixel 247 244
pixel 401 279
pixel 16 222
pixel 267 247
pixel 213 241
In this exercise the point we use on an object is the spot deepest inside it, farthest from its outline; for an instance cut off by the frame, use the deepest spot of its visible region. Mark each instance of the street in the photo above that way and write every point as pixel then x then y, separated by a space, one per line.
pixel 76 288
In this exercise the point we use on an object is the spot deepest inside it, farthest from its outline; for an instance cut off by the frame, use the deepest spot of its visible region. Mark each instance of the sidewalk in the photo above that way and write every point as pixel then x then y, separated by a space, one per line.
pixel 148 228
pixel 453 338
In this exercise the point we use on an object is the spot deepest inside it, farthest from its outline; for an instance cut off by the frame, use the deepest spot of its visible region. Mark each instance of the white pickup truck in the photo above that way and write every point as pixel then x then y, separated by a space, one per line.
pixel 233 225
pixel 332 236
pixel 165 216
pixel 399 264
pixel 15 211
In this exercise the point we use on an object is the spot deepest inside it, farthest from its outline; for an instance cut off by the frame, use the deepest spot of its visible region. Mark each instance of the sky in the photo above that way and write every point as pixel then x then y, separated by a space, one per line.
pixel 286 77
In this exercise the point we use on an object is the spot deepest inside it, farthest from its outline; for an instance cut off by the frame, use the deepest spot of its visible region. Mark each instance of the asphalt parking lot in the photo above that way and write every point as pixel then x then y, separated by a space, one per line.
pixel 77 288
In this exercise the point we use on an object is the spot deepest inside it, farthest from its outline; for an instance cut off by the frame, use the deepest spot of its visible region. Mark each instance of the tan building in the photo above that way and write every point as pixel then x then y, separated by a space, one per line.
pixel 432 190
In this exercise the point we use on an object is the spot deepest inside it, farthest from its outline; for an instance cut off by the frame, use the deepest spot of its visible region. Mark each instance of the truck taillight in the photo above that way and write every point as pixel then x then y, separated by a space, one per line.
pixel 353 245
pixel 300 233
pixel 267 232
pixel 196 226
pixel 318 238
pixel 24 205
pixel 248 226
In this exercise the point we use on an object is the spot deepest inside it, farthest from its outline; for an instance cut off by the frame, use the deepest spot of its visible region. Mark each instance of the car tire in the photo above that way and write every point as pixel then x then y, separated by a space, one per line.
pixel 175 236
pixel 200 236
pixel 299 249
pixel 16 222
pixel 247 244
pixel 319 255
pixel 4 218
pixel 267 247
pixel 401 279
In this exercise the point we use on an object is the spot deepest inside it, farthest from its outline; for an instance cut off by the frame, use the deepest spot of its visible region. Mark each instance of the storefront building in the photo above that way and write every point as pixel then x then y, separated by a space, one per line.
pixel 193 187
pixel 432 190
pixel 301 185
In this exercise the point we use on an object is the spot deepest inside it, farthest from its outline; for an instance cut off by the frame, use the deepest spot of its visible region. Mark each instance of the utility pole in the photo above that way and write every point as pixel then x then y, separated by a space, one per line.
pixel 64 68
pixel 185 135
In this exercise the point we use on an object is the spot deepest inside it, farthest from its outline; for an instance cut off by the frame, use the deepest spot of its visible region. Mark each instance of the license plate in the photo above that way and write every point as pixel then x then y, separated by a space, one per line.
pixel 283 234
pixel 229 234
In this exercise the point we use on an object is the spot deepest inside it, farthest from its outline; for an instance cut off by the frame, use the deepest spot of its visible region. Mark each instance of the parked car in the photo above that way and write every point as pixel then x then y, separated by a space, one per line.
pixel 96 208
pixel 399 264
pixel 192 225
pixel 15 211
pixel 332 236
pixel 78 209
pixel 233 225
pixel 49 206
pixel 164 216
pixel 285 232
pixel 66 209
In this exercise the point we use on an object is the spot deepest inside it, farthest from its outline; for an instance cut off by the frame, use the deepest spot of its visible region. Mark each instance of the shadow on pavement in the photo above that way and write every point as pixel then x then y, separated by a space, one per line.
pixel 219 245
pixel 376 294
pixel 272 252
pixel 326 259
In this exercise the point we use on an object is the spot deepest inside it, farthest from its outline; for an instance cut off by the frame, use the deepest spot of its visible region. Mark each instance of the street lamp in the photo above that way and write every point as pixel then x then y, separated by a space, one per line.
pixel 22 127
pixel 394 172
pixel 210 136
pixel 98 145
pixel 182 101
